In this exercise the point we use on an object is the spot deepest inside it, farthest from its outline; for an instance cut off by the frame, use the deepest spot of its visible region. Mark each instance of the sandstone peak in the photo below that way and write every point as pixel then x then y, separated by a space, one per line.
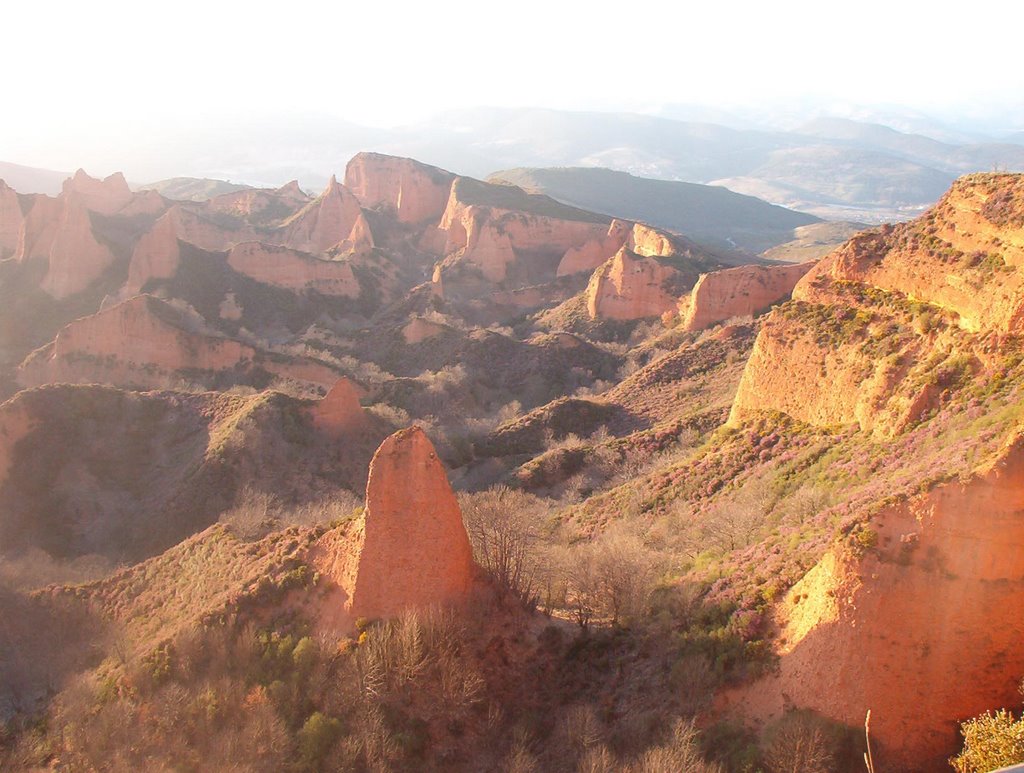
pixel 323 222
pixel 416 192
pixel 631 286
pixel 739 292
pixel 415 550
pixel 105 196
pixel 157 254
pixel 339 412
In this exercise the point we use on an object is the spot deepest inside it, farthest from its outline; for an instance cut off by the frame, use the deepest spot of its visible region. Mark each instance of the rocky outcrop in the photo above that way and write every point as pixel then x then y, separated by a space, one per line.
pixel 739 292
pixel 595 252
pixel 924 629
pixel 339 412
pixel 882 328
pixel 965 256
pixel 12 219
pixel 631 287
pixel 146 343
pixel 76 257
pixel 417 193
pixel 650 242
pixel 260 205
pixel 493 227
pixel 106 196
pixel 415 551
pixel 292 270
pixel 156 255
pixel 324 222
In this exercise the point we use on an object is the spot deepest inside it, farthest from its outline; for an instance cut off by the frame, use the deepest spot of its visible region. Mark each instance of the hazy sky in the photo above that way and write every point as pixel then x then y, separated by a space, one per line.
pixel 73 69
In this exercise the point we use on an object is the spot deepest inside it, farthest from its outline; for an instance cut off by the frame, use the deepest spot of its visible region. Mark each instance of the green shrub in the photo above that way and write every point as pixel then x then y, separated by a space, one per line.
pixel 318 734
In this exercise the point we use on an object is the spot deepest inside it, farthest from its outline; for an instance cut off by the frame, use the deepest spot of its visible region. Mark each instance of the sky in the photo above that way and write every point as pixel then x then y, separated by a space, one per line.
pixel 87 72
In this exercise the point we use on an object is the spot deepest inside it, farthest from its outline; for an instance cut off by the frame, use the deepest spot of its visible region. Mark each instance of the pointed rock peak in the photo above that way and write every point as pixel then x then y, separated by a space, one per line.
pixel 292 189
pixel 416 552
pixel 339 412
pixel 4 186
pixel 105 196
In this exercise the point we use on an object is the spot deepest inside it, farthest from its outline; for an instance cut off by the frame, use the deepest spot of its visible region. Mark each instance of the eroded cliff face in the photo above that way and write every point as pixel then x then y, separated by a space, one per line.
pixel 922 629
pixel 484 229
pixel 880 329
pixel 417 193
pixel 292 270
pixel 415 551
pixel 157 254
pixel 107 196
pixel 965 256
pixel 739 292
pixel 76 257
pixel 145 342
pixel 324 222
pixel 595 252
pixel 630 286
pixel 339 413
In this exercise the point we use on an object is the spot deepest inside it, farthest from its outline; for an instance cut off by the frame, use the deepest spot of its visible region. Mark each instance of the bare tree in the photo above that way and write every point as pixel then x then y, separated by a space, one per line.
pixel 504 527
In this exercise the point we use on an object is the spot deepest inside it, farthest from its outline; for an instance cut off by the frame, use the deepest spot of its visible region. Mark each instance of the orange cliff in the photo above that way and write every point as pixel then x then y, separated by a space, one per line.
pixel 416 192
pixel 292 270
pixel 339 413
pixel 76 257
pixel 923 629
pixel 157 254
pixel 415 551
pixel 490 227
pixel 106 197
pixel 409 548
pixel 147 343
pixel 869 320
pixel 739 292
pixel 331 219
pixel 631 287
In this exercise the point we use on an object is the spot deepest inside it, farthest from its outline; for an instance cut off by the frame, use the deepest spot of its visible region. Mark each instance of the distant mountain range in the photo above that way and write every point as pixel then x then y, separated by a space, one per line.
pixel 835 168
pixel 708 214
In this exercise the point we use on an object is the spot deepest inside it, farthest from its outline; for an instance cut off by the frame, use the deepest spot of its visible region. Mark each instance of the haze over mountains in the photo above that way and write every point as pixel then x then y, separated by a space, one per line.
pixel 836 168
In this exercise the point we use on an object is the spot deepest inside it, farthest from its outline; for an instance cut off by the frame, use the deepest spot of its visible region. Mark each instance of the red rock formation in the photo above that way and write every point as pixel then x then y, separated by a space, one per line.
pixel 957 256
pixel 156 255
pixel 484 230
pixel 260 204
pixel 650 242
pixel 292 270
pixel 739 292
pixel 144 342
pixel 106 196
pixel 339 412
pixel 145 203
pixel 76 257
pixel 631 287
pixel 595 252
pixel 324 222
pixel 415 551
pixel 416 192
pixel 924 629
pixel 11 220
pixel 816 360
